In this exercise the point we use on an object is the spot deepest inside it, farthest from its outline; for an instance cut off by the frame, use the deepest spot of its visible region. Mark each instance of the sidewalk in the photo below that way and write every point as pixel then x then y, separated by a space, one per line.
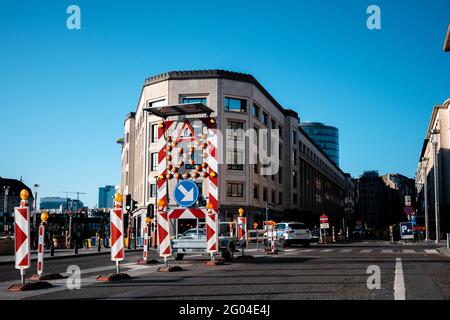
pixel 64 253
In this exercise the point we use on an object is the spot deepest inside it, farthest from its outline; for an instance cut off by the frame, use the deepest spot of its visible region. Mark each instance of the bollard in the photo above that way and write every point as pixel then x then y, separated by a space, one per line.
pixel 448 241
pixel 333 236
pixel 76 247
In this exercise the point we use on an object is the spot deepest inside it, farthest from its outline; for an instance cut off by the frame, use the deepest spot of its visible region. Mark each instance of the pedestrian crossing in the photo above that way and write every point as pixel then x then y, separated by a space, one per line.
pixel 291 251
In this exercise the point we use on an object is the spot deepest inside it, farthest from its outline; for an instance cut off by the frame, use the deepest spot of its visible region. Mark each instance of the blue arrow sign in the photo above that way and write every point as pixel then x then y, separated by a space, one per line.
pixel 186 193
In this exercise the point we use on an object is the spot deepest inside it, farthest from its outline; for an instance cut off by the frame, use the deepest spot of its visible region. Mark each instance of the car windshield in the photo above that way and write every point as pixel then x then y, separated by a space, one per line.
pixel 192 232
pixel 298 226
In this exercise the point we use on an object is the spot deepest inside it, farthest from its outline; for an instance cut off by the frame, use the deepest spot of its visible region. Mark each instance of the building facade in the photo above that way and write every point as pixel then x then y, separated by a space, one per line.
pixel 60 205
pixel 307 184
pixel 9 199
pixel 326 137
pixel 435 154
pixel 105 197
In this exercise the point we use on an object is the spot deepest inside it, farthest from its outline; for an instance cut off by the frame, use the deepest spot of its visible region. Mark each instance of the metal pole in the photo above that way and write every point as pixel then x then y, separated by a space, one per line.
pixel 436 187
pixel 117 267
pixel 425 196
pixel 22 276
pixel 5 209
pixel 448 241
pixel 332 230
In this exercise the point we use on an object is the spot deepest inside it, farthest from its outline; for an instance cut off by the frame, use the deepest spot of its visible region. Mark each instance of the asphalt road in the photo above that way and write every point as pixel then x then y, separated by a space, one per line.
pixel 335 271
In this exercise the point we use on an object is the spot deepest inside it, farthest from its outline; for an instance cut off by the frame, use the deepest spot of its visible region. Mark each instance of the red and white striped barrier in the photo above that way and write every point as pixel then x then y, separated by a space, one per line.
pixel 40 261
pixel 162 158
pixel 145 254
pixel 212 235
pixel 188 213
pixel 242 231
pixel 22 235
pixel 165 249
pixel 116 227
pixel 213 166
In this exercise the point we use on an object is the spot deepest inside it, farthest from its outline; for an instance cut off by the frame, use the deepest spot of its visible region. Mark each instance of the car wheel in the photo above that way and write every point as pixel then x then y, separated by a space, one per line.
pixel 179 256
pixel 282 242
pixel 228 254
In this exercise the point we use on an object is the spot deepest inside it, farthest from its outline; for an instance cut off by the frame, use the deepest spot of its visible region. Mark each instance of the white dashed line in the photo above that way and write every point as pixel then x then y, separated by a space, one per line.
pixel 327 250
pixel 366 250
pixel 387 251
pixel 399 283
pixel 409 251
pixel 346 250
pixel 431 251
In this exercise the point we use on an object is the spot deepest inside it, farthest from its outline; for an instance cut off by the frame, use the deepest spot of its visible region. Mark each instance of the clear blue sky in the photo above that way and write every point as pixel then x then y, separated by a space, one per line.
pixel 64 94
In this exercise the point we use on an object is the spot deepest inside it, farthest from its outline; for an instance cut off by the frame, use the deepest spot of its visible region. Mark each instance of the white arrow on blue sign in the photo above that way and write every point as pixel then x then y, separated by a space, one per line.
pixel 186 193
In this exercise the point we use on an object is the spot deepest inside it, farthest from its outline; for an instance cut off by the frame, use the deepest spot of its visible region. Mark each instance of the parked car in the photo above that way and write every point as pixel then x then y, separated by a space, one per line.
pixel 315 235
pixel 289 233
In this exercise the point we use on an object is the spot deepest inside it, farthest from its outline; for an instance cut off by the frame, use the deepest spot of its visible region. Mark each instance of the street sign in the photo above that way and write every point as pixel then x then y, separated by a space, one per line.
pixel 323 219
pixel 186 193
pixel 406 230
pixel 325 226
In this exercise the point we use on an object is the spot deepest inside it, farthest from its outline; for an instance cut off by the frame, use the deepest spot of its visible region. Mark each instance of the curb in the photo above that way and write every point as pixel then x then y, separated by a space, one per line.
pixel 444 251
pixel 70 256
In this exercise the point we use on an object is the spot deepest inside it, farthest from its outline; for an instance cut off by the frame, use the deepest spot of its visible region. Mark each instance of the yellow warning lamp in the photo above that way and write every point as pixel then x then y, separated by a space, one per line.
pixel 178 176
pixel 169 157
pixel 255 225
pixel 169 176
pixel 180 163
pixel 148 220
pixel 44 216
pixel 24 194
pixel 161 204
pixel 195 175
pixel 203 145
pixel 191 149
pixel 204 136
pixel 169 138
pixel 209 205
pixel 118 197
pixel 169 148
pixel 175 169
pixel 204 165
pixel 161 177
pixel 204 174
pixel 186 175
pixel 212 120
pixel 174 144
pixel 180 150
pixel 198 168
pixel 241 212
pixel 169 166
pixel 212 174
pixel 161 125
pixel 191 162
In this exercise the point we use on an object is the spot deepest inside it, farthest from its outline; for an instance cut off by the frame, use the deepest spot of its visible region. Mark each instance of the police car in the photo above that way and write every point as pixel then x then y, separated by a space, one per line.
pixel 288 233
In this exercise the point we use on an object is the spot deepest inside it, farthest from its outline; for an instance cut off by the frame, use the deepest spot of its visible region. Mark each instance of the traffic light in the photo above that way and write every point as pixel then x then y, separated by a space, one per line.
pixel 133 205
pixel 128 202
pixel 151 211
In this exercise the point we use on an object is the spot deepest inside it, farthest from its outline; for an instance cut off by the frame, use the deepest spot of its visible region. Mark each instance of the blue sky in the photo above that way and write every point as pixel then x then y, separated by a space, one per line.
pixel 64 94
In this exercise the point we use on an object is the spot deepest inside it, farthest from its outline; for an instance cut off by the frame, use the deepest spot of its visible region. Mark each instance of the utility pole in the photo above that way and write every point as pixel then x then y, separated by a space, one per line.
pixel 5 209
pixel 425 196
pixel 434 134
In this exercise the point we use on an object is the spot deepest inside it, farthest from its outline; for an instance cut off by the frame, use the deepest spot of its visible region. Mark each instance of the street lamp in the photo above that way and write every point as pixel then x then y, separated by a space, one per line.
pixel 424 161
pixel 434 141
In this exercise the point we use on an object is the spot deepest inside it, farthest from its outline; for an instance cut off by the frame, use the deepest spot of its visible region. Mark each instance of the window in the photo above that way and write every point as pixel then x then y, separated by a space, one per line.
pixel 126 178
pixel 280 197
pixel 255 110
pixel 279 174
pixel 273 124
pixel 294 137
pixel 295 198
pixel 235 190
pixel 294 157
pixel 265 118
pixel 255 168
pixel 154 133
pixel 158 103
pixel 194 100
pixel 265 194
pixel 128 137
pixel 294 179
pixel 235 105
pixel 236 157
pixel 127 156
pixel 255 192
pixel 235 125
pixel 154 161
pixel 152 190
pixel 273 197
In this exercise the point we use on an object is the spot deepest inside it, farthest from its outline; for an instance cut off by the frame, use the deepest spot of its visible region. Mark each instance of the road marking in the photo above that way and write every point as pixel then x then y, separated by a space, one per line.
pixel 346 250
pixel 387 251
pixel 307 250
pixel 409 251
pixel 399 283
pixel 366 250
pixel 431 251
pixel 290 250
pixel 327 250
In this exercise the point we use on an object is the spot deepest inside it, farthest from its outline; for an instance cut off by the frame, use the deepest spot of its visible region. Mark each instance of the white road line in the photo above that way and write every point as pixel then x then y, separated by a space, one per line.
pixel 409 251
pixel 431 251
pixel 399 283
pixel 387 251
pixel 346 250
pixel 327 250
pixel 366 250
pixel 289 250
pixel 307 250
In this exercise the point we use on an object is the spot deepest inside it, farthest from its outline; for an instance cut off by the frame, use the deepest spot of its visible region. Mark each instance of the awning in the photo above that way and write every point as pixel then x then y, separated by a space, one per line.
pixel 179 109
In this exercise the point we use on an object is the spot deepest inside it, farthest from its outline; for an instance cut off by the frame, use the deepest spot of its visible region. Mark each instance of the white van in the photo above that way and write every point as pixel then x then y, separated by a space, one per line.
pixel 292 232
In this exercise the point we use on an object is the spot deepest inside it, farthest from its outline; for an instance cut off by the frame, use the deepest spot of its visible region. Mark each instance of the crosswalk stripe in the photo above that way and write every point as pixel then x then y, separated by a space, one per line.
pixel 346 250
pixel 366 250
pixel 307 250
pixel 289 250
pixel 409 251
pixel 387 251
pixel 327 250
pixel 431 251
